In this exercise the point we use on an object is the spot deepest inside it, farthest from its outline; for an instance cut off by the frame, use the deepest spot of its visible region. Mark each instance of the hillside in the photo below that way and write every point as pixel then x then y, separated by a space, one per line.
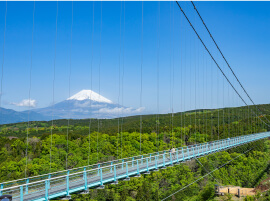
pixel 220 121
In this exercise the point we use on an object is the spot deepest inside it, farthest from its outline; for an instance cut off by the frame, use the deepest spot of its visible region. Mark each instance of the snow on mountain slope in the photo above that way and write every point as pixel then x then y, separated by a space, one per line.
pixel 91 95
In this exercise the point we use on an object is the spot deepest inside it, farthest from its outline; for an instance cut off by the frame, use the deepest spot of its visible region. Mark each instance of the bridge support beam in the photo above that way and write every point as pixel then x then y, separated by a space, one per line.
pixel 49 183
pixel 21 193
pixel 85 179
pixel 111 166
pixel 156 167
pixel 101 179
pixel 114 175
pixel 183 154
pixel 138 169
pixel 164 160
pixel 46 190
pixel 26 186
pixel 1 187
pixel 127 177
pixel 67 180
pixel 171 159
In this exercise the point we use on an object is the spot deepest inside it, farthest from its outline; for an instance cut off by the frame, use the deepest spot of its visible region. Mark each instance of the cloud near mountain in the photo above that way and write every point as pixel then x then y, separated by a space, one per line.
pixel 26 103
pixel 121 110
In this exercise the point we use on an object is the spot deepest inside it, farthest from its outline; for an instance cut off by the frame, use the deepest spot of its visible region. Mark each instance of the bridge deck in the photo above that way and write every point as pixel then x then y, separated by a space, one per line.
pixel 63 183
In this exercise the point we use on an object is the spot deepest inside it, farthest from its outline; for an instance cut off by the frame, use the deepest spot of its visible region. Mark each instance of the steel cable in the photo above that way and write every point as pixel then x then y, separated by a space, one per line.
pixel 227 61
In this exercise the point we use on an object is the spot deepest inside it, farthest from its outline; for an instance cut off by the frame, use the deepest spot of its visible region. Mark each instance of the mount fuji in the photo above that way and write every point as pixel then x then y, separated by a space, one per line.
pixel 87 104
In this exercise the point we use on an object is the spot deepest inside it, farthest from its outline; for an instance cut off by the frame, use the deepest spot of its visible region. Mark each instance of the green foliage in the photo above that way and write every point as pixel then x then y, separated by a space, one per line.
pixel 158 185
pixel 214 124
pixel 247 170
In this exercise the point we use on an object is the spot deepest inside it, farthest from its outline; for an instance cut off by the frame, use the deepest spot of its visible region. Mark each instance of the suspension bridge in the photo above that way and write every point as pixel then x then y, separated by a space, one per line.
pixel 63 183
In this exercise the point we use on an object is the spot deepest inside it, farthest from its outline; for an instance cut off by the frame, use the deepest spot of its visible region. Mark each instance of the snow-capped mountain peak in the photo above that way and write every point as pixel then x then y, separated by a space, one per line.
pixel 89 95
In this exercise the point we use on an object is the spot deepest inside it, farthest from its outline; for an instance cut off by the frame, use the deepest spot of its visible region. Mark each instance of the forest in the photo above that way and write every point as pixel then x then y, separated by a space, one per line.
pixel 119 138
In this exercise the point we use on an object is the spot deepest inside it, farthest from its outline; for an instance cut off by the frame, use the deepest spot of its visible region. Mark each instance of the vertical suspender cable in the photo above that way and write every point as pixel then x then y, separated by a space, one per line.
pixel 195 85
pixel 218 108
pixel 238 119
pixel 123 73
pixel 119 84
pixel 190 83
pixel 29 92
pixel 203 106
pixel 158 47
pixel 206 87
pixel 173 136
pixel 223 102
pixel 228 110
pixel 248 121
pixel 91 82
pixel 185 80
pixel 53 83
pixel 232 111
pixel 170 76
pixel 141 83
pixel 99 73
pixel 212 113
pixel 69 80
pixel 181 77
pixel 3 62
pixel 204 96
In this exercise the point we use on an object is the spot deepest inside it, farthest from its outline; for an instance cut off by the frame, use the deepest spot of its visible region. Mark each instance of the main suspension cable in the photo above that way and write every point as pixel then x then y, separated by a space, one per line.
pixel 227 61
pixel 214 58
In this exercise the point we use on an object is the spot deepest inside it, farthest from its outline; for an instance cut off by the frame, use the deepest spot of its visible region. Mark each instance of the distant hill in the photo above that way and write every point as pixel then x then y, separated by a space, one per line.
pixel 223 121
pixel 8 116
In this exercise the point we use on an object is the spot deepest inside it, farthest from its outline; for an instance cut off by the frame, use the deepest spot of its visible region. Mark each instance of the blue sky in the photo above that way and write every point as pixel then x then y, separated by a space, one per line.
pixel 240 28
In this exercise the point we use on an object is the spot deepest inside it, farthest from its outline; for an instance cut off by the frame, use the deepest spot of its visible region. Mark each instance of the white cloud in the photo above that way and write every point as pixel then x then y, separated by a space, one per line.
pixel 120 110
pixel 88 104
pixel 26 103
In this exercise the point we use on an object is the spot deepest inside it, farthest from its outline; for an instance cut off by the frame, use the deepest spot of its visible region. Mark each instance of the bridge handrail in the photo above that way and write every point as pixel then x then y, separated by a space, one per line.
pixel 63 176
pixel 47 174
pixel 109 166
pixel 61 171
